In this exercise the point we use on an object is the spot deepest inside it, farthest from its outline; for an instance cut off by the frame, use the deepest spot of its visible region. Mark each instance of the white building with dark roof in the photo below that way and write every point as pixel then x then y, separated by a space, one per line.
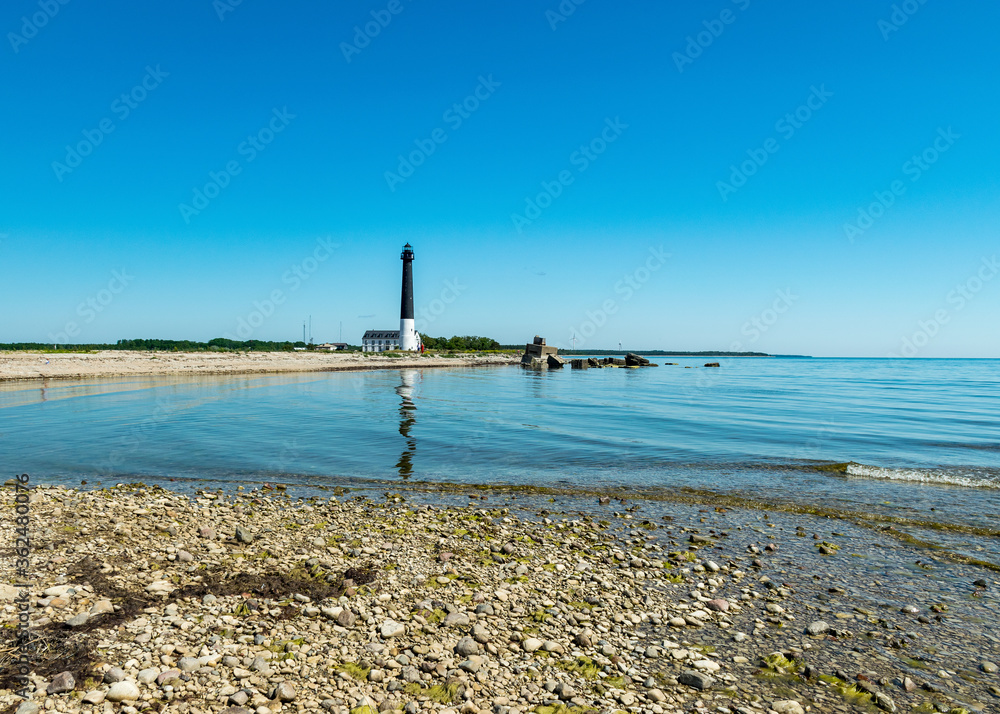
pixel 380 340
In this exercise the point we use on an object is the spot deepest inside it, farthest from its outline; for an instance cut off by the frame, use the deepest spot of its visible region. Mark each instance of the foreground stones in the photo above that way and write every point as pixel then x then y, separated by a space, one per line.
pixel 369 607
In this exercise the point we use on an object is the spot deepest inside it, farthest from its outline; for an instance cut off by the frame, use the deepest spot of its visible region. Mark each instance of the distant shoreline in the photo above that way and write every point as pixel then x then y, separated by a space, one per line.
pixel 25 366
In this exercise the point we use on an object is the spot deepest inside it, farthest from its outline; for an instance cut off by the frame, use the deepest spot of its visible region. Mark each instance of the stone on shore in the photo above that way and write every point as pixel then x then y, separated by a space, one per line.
pixel 62 682
pixel 696 679
pixel 123 691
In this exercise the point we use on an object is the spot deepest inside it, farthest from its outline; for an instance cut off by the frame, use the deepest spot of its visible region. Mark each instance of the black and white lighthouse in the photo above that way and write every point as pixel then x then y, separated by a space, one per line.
pixel 409 341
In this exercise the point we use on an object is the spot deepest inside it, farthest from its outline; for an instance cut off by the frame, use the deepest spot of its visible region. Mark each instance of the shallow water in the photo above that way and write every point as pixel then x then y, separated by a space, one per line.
pixel 925 434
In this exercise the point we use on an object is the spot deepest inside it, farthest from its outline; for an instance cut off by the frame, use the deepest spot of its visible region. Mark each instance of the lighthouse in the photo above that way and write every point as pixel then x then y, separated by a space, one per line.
pixel 409 341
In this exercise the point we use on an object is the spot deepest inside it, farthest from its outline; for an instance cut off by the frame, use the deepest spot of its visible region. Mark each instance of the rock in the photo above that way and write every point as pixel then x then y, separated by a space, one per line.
pixel 239 698
pixel 391 628
pixel 62 682
pixel 655 695
pixel 27 707
pixel 480 634
pixel 243 535
pixel 532 644
pixel 147 675
pixel 102 607
pixel 472 664
pixel 553 646
pixel 707 665
pixel 184 557
pixel 817 628
pixel 696 679
pixel 456 619
pixel 882 701
pixel 115 674
pixel 169 676
pixel 988 667
pixel 95 696
pixel 564 691
pixel 788 706
pixel 188 664
pixel 57 590
pixel 239 710
pixel 160 587
pixel 206 532
pixel 981 583
pixel 718 605
pixel 124 691
pixel 711 364
pixel 909 685
pixel 78 621
pixel 346 618
pixel 467 646
pixel 485 608
pixel 583 640
pixel 678 622
pixel 284 692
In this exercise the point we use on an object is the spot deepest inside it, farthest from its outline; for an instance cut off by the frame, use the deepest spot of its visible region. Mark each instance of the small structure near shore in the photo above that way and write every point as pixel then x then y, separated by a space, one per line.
pixel 538 355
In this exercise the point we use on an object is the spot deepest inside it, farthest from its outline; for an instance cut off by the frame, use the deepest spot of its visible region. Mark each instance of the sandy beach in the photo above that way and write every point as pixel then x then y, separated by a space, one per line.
pixel 36 365
pixel 409 600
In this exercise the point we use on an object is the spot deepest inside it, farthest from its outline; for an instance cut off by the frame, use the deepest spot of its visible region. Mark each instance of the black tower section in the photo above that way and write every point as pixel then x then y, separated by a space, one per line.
pixel 406 306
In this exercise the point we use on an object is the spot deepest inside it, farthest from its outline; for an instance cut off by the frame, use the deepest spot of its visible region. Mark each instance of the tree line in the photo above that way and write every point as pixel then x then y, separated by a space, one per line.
pixel 467 343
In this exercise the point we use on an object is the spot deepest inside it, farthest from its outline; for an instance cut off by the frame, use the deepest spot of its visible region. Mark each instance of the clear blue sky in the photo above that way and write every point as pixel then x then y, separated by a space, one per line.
pixel 766 263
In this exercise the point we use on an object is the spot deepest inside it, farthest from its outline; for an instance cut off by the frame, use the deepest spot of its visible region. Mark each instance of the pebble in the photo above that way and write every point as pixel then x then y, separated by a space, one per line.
pixel 391 628
pixel 62 682
pixel 788 706
pixel 115 674
pixel 532 644
pixel 817 628
pixel 698 680
pixel 123 691
pixel 284 692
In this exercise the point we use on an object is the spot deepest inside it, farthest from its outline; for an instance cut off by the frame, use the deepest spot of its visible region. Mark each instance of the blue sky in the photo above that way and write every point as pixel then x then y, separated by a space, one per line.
pixel 665 175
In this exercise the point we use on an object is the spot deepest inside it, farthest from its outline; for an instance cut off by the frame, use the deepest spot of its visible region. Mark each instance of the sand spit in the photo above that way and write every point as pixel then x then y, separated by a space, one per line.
pixel 254 603
pixel 35 365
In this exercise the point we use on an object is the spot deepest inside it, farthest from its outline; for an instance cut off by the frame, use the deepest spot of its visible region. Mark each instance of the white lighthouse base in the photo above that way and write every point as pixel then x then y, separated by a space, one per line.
pixel 408 339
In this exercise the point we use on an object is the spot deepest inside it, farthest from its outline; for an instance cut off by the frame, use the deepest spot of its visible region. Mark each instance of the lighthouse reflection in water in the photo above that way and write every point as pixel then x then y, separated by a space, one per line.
pixel 407 418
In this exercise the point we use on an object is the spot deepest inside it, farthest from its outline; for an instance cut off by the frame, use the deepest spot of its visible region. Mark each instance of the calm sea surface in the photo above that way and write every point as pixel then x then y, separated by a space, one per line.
pixel 921 434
